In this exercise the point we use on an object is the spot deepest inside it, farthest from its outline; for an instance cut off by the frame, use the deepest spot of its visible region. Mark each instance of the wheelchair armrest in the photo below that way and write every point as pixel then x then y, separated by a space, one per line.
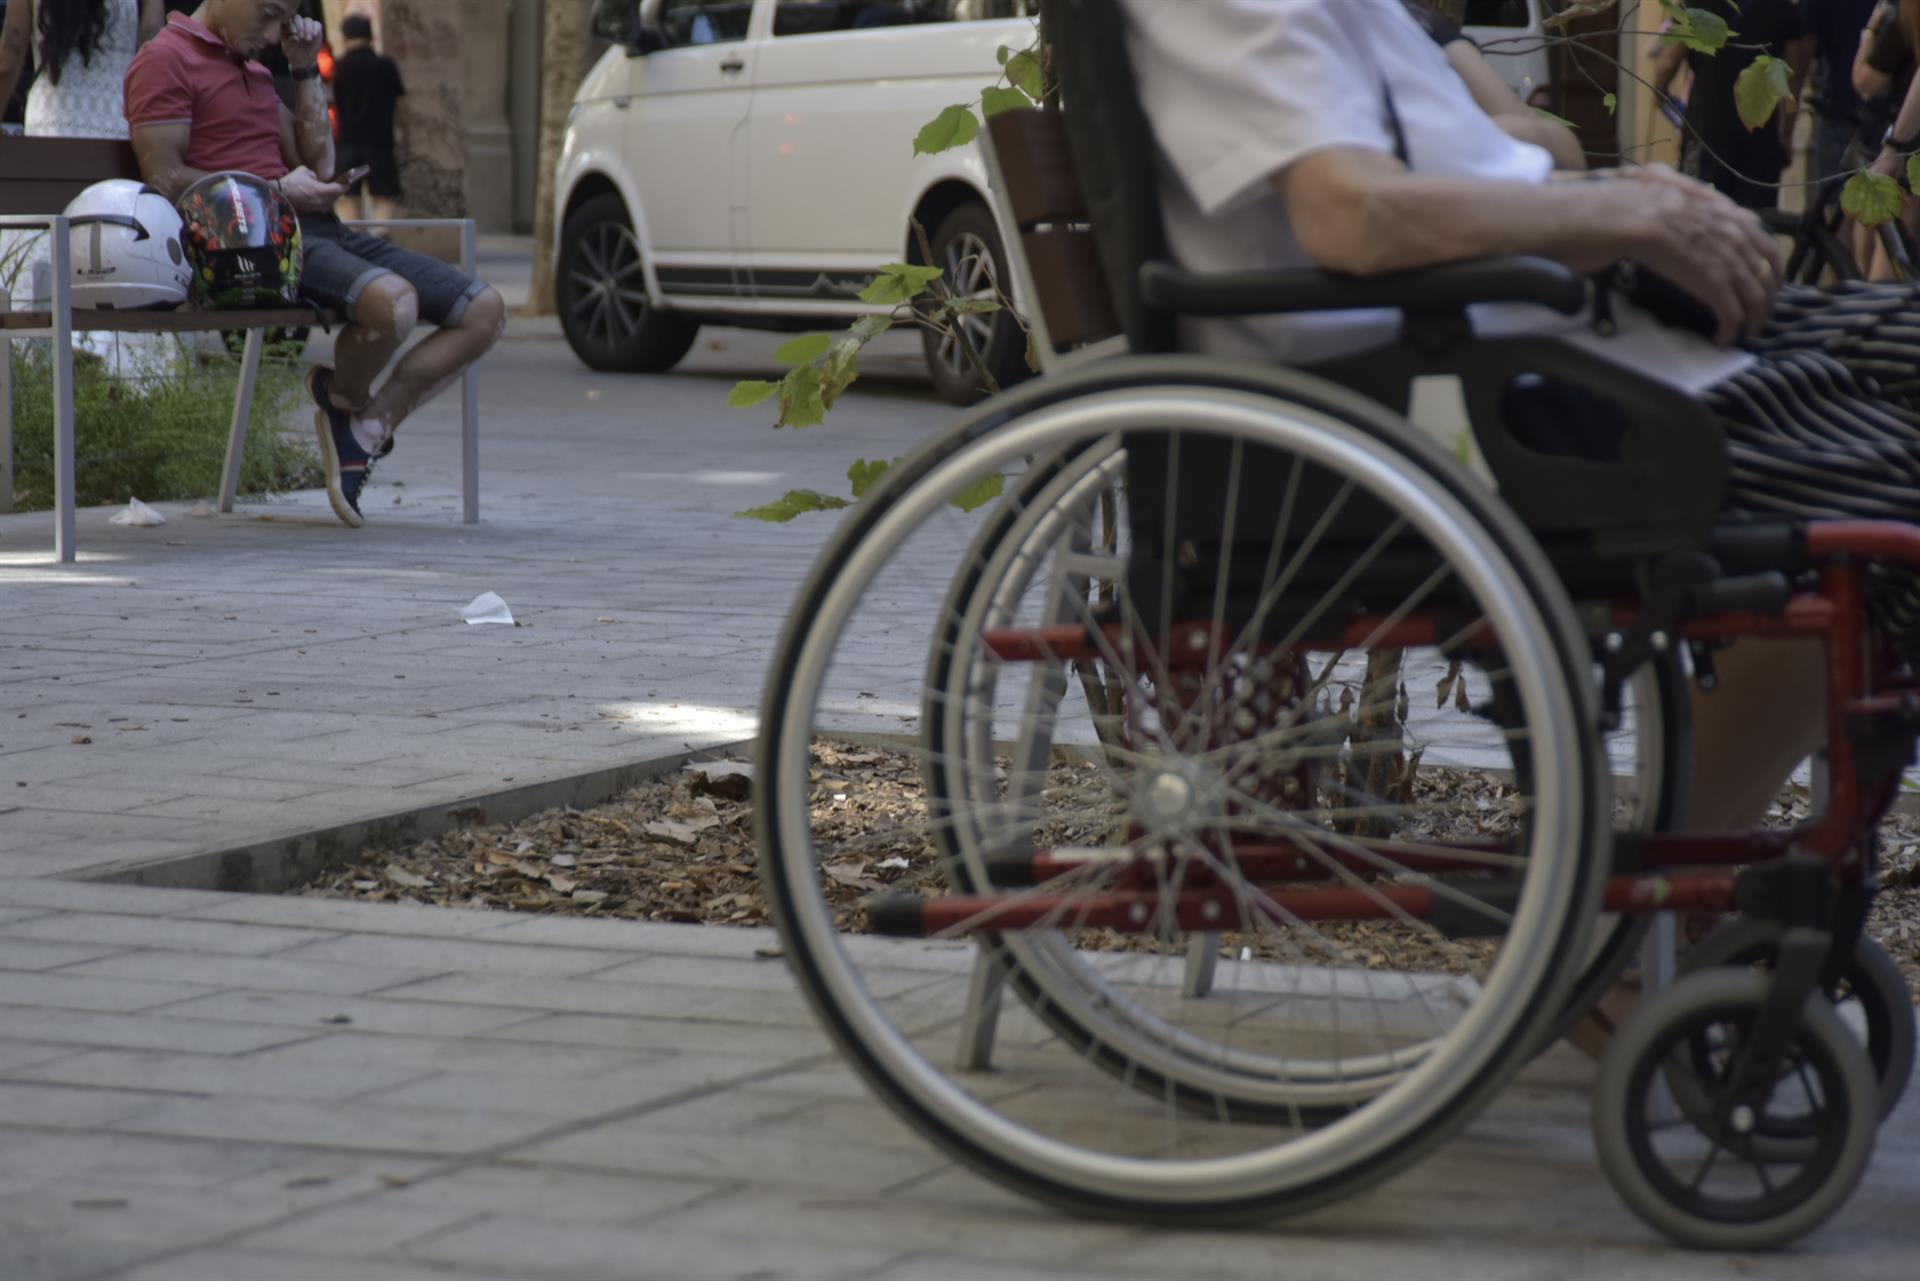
pixel 1445 288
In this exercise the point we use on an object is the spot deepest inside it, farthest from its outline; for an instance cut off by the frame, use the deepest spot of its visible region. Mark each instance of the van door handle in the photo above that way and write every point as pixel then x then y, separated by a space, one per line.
pixel 732 65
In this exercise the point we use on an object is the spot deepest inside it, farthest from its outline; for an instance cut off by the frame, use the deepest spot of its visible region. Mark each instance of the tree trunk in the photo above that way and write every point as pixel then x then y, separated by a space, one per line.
pixel 567 53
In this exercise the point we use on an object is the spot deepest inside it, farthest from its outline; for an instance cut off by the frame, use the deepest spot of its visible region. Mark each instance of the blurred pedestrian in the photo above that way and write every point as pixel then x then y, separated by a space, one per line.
pixel 82 48
pixel 1836 27
pixel 366 91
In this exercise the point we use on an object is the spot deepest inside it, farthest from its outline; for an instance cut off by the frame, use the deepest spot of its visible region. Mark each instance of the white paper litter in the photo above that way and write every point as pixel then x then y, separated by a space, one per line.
pixel 487 607
pixel 137 514
pixel 201 508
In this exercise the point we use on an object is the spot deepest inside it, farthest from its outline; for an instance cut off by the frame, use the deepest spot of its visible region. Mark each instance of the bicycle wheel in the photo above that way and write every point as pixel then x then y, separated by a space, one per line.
pixel 1415 944
pixel 1064 515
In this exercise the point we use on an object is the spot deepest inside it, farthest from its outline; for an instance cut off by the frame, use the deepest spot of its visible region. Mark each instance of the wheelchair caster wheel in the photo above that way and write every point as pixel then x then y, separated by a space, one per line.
pixel 1872 999
pixel 1692 1168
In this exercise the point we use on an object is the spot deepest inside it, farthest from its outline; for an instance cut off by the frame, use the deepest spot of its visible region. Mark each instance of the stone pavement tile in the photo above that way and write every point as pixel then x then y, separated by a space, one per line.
pixel 202 1074
pixel 354 1052
pixel 39 954
pixel 83 992
pixel 226 1263
pixel 638 936
pixel 779 1044
pixel 586 996
pixel 30 1103
pixel 91 896
pixel 359 1126
pixel 77 797
pixel 178 935
pixel 382 1226
pixel 965 1263
pixel 542 1248
pixel 572 1095
pixel 15 1055
pixel 642 1147
pixel 125 1158
pixel 137 1032
pixel 319 1012
pixel 456 956
pixel 287 972
pixel 344 915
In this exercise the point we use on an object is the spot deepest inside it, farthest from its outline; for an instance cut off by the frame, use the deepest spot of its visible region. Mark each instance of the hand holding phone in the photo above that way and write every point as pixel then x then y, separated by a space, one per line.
pixel 353 175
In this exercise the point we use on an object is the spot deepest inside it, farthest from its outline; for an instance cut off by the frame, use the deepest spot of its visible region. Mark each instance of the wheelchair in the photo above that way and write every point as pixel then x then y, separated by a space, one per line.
pixel 1274 924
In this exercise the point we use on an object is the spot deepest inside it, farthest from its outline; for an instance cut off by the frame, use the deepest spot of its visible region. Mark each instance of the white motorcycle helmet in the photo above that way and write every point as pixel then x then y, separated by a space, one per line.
pixel 127 254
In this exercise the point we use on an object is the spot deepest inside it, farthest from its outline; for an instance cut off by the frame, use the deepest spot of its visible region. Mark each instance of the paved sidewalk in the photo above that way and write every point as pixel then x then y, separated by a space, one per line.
pixel 223 681
pixel 197 1086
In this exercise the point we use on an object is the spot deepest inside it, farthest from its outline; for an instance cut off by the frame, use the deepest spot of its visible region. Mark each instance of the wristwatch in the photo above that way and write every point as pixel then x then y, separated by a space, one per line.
pixel 304 73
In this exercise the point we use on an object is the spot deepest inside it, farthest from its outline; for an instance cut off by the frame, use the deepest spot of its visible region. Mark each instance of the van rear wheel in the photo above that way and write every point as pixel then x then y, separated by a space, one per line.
pixel 602 295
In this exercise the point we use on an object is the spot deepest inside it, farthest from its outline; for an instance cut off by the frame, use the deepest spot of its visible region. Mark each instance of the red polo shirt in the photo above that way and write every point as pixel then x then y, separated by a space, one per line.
pixel 187 75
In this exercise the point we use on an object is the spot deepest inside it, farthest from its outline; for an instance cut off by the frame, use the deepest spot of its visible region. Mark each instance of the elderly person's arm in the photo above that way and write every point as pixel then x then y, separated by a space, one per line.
pixel 1515 118
pixel 16 44
pixel 1365 213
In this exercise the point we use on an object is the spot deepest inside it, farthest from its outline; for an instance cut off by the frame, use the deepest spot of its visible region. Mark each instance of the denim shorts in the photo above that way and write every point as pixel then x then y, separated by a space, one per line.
pixel 338 263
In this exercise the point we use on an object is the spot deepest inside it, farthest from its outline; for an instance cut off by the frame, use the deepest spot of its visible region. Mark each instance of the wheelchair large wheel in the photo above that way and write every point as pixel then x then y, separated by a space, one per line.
pixel 1063 516
pixel 1394 955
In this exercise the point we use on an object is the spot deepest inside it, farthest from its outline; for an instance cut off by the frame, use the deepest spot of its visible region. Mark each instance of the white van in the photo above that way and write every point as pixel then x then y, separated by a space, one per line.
pixel 750 162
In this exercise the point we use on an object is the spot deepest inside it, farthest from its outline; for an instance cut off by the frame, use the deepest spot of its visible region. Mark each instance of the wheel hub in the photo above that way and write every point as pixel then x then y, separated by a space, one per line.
pixel 1179 798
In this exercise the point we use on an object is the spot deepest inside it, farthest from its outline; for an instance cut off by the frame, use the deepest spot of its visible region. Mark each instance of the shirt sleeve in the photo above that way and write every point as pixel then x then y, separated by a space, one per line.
pixel 156 91
pixel 1238 90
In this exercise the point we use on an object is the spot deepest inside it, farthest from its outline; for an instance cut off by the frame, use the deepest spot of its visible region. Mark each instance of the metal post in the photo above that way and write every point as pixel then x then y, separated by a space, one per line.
pixel 469 399
pixel 1203 954
pixel 242 415
pixel 982 1018
pixel 63 462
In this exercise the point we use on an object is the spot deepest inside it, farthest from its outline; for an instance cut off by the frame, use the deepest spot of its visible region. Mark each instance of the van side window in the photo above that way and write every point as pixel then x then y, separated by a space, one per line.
pixel 688 22
pixel 812 17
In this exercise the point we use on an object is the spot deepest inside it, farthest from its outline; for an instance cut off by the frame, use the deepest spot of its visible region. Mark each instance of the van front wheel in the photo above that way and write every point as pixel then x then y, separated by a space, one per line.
pixel 602 295
pixel 966 245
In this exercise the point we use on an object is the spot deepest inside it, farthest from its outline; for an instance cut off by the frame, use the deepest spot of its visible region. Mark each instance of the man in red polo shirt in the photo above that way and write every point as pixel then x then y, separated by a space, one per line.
pixel 196 104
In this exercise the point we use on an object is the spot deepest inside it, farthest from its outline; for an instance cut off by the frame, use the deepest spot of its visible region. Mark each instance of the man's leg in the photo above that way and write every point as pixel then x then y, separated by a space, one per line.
pixel 432 366
pixel 1766 716
pixel 384 317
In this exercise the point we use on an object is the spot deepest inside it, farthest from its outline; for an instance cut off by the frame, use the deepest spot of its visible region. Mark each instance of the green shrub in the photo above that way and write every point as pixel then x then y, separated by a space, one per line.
pixel 159 438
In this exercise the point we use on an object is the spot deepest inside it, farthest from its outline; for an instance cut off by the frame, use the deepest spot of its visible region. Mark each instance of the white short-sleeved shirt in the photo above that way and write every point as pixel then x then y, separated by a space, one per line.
pixel 1237 90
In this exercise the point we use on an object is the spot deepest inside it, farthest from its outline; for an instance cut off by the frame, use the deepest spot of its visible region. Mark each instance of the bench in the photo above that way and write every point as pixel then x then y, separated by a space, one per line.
pixel 39 177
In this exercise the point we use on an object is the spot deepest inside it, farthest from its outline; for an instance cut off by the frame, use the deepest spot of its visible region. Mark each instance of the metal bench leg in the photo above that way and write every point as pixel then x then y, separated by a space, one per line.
pixel 64 531
pixel 242 414
pixel 1203 954
pixel 982 1018
pixel 6 423
pixel 469 402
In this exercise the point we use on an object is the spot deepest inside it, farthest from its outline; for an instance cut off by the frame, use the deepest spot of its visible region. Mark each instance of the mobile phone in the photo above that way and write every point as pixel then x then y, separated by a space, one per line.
pixel 354 175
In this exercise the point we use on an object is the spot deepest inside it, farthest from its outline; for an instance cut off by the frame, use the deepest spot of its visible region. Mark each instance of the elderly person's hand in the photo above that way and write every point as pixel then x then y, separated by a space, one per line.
pixel 1712 248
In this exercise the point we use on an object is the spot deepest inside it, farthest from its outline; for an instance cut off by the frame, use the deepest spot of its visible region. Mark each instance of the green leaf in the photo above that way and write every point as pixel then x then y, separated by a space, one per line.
pixel 1871 198
pixel 801 402
pixel 793 503
pixel 981 492
pixel 1913 172
pixel 897 283
pixel 971 307
pixel 803 350
pixel 1760 89
pixel 842 368
pixel 1003 53
pixel 1544 114
pixel 996 100
pixel 1025 74
pixel 863 474
pixel 1611 102
pixel 955 127
pixel 750 392
pixel 868 328
pixel 1697 29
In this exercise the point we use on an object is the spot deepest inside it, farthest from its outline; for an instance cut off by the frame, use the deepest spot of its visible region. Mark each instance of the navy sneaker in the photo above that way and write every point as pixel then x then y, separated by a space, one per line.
pixel 348 465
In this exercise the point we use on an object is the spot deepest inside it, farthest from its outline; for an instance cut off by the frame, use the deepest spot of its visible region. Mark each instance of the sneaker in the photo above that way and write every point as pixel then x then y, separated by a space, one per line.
pixel 348 465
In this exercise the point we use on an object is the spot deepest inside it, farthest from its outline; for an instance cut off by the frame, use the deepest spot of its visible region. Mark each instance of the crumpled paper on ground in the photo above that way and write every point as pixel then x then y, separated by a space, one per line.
pixel 487 607
pixel 138 515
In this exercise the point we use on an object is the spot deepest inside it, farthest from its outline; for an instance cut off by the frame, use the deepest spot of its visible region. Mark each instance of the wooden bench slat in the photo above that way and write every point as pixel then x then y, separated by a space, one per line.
pixel 171 322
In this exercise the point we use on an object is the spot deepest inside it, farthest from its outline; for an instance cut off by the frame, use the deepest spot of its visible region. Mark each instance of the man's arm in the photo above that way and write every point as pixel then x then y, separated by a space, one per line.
pixel 15 39
pixel 153 16
pixel 306 136
pixel 1504 108
pixel 162 152
pixel 1365 213
pixel 1799 58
